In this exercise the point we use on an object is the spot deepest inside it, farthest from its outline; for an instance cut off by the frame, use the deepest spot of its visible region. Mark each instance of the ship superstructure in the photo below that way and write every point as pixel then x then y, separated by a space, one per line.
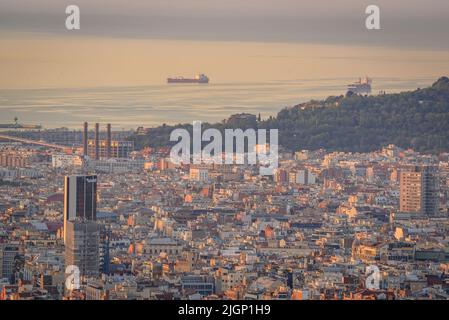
pixel 363 86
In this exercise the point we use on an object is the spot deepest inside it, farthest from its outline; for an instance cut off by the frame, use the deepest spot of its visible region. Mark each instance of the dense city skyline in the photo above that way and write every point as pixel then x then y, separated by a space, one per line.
pixel 236 153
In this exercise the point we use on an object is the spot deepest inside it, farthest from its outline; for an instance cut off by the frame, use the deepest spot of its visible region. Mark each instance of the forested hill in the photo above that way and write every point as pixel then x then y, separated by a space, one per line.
pixel 418 119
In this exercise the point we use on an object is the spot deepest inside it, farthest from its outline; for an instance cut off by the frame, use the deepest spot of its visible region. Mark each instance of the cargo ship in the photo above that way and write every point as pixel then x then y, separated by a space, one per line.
pixel 200 78
pixel 363 86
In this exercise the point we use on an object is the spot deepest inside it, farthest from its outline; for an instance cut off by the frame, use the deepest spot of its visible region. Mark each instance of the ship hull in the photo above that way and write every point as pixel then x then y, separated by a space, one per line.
pixel 187 81
pixel 360 89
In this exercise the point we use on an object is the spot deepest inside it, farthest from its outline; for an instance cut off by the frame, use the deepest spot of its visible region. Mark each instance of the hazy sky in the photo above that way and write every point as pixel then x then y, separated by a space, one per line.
pixel 139 42
pixel 415 23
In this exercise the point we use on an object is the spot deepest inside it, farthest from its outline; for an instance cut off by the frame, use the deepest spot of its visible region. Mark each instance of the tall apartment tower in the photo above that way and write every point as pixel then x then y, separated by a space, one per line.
pixel 80 199
pixel 82 247
pixel 419 190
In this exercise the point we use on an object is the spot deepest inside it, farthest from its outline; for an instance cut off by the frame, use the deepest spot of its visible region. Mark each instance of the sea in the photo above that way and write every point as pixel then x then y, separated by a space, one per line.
pixel 153 105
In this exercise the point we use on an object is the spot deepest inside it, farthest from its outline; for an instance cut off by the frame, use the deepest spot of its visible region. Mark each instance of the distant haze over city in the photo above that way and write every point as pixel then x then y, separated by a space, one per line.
pixel 413 23
pixel 143 42
pixel 260 56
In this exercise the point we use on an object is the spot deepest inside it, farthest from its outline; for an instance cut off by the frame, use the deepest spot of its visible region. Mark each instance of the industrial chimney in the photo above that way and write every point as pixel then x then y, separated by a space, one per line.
pixel 97 141
pixel 108 141
pixel 85 138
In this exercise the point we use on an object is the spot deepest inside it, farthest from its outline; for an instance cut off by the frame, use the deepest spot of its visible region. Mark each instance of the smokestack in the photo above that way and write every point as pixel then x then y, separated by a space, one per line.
pixel 85 138
pixel 97 141
pixel 108 141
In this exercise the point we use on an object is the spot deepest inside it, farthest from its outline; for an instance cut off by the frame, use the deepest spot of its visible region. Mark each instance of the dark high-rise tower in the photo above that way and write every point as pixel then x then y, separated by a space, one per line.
pixel 80 199
pixel 82 247
pixel 8 252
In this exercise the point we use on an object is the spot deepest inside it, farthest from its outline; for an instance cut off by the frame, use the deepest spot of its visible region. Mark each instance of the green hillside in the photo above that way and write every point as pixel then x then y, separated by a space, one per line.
pixel 418 119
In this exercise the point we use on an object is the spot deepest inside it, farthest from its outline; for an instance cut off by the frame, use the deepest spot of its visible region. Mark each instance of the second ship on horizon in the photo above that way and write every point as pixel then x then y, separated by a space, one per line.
pixel 199 78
